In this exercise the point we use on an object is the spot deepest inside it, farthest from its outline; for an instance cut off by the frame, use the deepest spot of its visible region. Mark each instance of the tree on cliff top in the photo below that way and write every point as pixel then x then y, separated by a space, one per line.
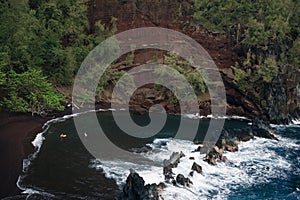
pixel 37 38
pixel 266 33
pixel 30 92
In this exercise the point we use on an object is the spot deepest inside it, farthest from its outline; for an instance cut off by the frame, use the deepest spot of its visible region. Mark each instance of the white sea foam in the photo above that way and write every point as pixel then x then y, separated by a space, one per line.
pixel 252 164
pixel 38 142
pixel 30 191
pixel 293 123
pixel 296 121
pixel 197 116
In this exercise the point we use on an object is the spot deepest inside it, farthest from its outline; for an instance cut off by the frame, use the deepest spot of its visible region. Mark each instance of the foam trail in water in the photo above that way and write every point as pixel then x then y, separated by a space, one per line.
pixel 296 121
pixel 38 142
pixel 252 164
pixel 197 116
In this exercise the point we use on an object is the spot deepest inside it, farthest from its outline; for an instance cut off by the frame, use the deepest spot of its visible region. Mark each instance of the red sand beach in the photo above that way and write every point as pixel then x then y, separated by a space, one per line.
pixel 16 133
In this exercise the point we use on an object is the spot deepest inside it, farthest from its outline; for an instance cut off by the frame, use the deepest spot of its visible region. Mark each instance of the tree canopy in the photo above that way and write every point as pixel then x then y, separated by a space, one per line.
pixel 266 30
pixel 43 43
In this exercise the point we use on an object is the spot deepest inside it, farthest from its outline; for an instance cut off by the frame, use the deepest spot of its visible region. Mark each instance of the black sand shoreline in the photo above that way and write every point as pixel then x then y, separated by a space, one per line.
pixel 17 131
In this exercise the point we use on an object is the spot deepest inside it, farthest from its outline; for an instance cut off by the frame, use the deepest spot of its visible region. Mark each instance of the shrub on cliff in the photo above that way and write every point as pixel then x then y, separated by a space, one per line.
pixel 266 33
pixel 30 92
pixel 52 35
pixel 196 79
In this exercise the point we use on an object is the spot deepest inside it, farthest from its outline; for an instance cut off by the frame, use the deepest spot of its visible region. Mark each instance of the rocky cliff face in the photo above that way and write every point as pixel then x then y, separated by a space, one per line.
pixel 276 101
pixel 280 100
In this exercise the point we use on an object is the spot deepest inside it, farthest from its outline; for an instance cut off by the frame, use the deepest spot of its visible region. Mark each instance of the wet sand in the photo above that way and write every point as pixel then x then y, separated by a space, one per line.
pixel 16 133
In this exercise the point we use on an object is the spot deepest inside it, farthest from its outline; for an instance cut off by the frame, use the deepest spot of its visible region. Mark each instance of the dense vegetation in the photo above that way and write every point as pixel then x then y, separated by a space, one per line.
pixel 190 74
pixel 42 42
pixel 267 31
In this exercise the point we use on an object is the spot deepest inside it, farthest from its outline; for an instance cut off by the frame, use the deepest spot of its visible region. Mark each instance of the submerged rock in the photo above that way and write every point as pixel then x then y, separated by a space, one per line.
pixel 198 149
pixel 230 145
pixel 172 162
pixel 259 128
pixel 263 129
pixel 181 180
pixel 191 173
pixel 135 189
pixel 169 176
pixel 244 134
pixel 214 156
pixel 143 149
pixel 229 140
pixel 197 168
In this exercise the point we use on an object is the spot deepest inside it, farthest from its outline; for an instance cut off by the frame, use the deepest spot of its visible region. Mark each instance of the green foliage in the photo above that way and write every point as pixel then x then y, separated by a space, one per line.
pixel 197 82
pixel 2 78
pixel 192 75
pixel 294 54
pixel 113 22
pixel 43 37
pixel 263 22
pixel 268 69
pixel 65 42
pixel 15 103
pixel 130 56
pixel 173 100
pixel 17 33
pixel 248 77
pixel 154 59
pixel 268 29
pixel 52 34
pixel 109 77
pixel 3 64
pixel 194 78
pixel 30 92
pixel 243 78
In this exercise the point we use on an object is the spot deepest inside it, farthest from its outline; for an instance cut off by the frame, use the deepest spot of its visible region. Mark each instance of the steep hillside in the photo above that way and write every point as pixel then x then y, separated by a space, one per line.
pixel 272 101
